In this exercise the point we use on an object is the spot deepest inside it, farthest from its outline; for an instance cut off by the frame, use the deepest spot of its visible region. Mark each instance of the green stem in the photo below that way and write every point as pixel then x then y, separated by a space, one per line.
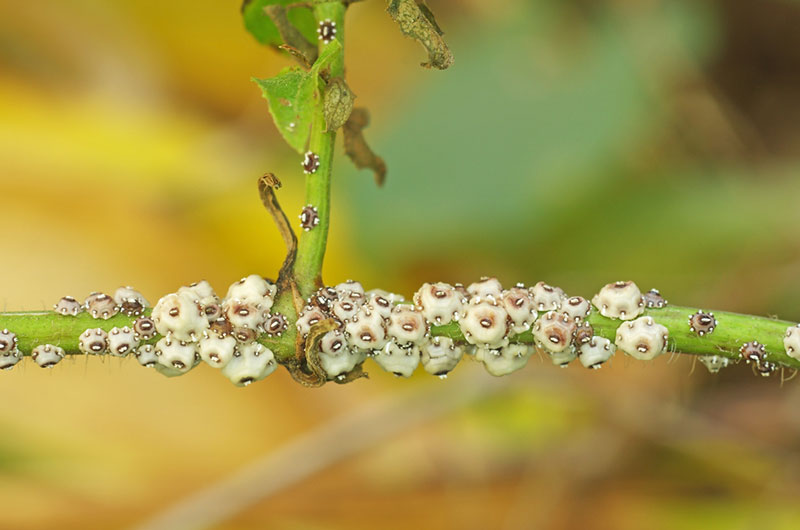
pixel 733 330
pixel 47 327
pixel 311 248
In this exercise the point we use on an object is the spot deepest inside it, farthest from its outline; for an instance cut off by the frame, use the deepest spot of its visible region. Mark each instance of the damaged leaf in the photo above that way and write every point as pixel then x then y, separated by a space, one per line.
pixel 337 104
pixel 292 96
pixel 355 146
pixel 417 21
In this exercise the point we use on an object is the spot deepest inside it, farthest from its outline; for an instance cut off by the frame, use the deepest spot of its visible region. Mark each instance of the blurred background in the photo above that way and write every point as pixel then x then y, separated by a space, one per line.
pixel 577 142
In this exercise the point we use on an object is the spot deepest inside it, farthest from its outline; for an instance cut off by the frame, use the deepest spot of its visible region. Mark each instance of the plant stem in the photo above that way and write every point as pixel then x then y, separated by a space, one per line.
pixel 311 249
pixel 48 327
pixel 733 330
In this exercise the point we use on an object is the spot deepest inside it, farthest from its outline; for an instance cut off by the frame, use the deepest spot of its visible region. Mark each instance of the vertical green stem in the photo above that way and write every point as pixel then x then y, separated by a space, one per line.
pixel 311 248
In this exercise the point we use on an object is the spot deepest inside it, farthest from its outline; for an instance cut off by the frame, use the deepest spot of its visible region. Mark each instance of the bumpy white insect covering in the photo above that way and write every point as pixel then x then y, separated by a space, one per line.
pixel 194 325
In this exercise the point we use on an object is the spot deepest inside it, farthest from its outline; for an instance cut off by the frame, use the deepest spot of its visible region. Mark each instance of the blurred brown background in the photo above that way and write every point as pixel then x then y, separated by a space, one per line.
pixel 576 142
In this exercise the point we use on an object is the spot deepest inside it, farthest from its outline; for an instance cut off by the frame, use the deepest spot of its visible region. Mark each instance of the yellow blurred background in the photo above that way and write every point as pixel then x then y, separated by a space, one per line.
pixel 574 142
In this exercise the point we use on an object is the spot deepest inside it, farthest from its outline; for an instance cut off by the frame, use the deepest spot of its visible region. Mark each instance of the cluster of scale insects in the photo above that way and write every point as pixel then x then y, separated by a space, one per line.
pixel 194 325
pixel 397 335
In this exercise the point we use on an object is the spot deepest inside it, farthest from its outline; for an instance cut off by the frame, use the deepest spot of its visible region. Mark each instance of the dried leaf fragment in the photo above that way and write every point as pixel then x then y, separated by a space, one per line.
pixel 290 34
pixel 416 21
pixel 267 184
pixel 356 147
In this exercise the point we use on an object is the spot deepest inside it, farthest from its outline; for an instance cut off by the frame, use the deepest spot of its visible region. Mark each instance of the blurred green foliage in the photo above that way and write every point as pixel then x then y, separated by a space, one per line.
pixel 544 155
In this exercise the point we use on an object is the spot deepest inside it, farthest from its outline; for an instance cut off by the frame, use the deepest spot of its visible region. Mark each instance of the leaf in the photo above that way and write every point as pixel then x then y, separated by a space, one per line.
pixel 326 57
pixel 337 103
pixel 416 21
pixel 293 94
pixel 261 26
pixel 290 95
pixel 356 146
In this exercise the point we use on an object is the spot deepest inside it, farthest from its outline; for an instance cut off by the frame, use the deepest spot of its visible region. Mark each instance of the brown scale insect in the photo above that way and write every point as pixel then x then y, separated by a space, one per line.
pixel 144 328
pixel 222 327
pixel 129 301
pixel 583 333
pixel 379 303
pixel 101 305
pixel 485 323
pixel 764 368
pixel 309 218
pixel 576 308
pixel 323 298
pixel 244 334
pixel 546 297
pixel 350 289
pixel 146 355
pixel 621 300
pixel 310 163
pixel 440 303
pixel 753 351
pixel 67 306
pixel 131 307
pixel 486 288
pixel 702 323
pixel 47 355
pixel 244 314
pixel 308 318
pixel 653 299
pixel 212 311
pixel 326 30
pixel 366 331
pixel 554 331
pixel 344 310
pixel 406 325
pixel 276 324
pixel 93 341
pixel 519 306
pixel 121 341
pixel 333 342
pixel 8 341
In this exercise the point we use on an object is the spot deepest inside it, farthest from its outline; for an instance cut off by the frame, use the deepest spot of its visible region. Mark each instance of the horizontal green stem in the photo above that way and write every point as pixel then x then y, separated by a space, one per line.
pixel 733 330
pixel 48 327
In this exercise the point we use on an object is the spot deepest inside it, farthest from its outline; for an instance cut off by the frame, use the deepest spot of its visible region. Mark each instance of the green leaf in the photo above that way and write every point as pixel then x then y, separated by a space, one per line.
pixel 264 30
pixel 293 94
pixel 291 102
pixel 326 57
